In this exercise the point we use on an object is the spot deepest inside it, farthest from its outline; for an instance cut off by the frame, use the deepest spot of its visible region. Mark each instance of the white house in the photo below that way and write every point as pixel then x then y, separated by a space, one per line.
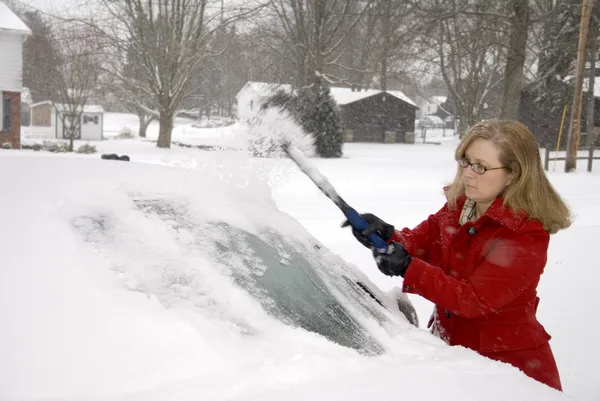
pixel 47 121
pixel 13 32
pixel 429 105
pixel 251 97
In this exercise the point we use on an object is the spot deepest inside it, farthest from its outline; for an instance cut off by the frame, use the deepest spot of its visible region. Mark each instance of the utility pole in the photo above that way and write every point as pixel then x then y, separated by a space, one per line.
pixel 575 122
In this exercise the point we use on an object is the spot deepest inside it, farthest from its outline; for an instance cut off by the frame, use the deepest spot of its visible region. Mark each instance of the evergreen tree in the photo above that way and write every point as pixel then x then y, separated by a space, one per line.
pixel 39 58
pixel 557 57
pixel 316 112
pixel 319 116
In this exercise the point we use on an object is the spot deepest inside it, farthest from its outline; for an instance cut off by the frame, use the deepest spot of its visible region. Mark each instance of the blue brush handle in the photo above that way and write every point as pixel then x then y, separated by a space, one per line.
pixel 361 224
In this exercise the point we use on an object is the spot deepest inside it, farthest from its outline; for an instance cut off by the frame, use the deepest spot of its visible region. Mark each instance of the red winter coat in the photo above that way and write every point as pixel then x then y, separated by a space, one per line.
pixel 482 277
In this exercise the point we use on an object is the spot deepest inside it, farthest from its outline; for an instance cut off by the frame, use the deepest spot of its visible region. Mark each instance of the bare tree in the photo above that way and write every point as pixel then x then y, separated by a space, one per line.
pixel 126 86
pixel 314 31
pixel 168 42
pixel 74 69
pixel 466 42
pixel 515 60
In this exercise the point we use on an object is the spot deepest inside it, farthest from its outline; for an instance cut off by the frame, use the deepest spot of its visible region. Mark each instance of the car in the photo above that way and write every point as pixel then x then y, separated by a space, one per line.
pixel 430 122
pixel 277 262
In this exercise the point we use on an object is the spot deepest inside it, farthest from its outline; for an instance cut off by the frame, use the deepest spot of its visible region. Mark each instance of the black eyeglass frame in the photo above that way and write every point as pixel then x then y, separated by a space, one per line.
pixel 476 167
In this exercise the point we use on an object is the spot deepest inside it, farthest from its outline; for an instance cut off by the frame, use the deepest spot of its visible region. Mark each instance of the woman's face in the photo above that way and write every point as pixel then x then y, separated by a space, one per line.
pixel 484 156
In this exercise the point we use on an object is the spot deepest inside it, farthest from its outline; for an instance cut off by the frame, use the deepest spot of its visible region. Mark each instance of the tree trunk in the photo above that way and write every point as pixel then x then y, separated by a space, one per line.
pixel 515 61
pixel 144 123
pixel 590 137
pixel 386 44
pixel 165 129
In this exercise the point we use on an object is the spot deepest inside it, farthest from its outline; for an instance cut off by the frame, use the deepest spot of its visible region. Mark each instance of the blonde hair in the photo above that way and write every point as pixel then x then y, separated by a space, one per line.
pixel 530 190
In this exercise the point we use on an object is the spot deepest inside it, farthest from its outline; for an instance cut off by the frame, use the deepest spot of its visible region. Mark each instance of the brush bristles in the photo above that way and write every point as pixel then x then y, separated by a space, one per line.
pixel 273 128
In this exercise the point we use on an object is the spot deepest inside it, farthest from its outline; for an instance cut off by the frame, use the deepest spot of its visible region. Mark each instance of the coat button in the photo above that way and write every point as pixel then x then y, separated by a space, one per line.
pixel 407 288
pixel 471 230
pixel 447 313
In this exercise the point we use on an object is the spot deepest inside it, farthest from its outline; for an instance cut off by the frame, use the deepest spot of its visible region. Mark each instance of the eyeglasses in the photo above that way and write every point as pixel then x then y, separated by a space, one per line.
pixel 476 167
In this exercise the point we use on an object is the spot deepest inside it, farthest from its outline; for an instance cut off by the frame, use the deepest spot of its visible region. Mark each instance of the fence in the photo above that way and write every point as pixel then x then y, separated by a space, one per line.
pixel 590 157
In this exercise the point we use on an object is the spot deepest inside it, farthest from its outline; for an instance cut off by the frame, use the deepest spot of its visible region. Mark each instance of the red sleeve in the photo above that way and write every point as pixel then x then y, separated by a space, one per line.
pixel 509 268
pixel 416 241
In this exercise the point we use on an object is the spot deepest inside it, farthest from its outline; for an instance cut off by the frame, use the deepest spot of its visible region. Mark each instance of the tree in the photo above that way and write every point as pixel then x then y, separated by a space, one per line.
pixel 127 88
pixel 314 31
pixel 168 41
pixel 317 113
pixel 74 70
pixel 515 60
pixel 319 116
pixel 39 58
pixel 463 39
pixel 558 50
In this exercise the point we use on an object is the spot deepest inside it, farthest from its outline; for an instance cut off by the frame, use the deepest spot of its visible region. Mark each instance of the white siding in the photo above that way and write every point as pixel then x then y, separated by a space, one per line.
pixel 90 131
pixel 11 62
pixel 35 132
pixel 91 126
pixel 248 102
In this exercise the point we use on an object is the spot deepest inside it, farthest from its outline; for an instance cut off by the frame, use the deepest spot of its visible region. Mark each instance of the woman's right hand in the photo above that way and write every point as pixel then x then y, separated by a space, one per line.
pixel 376 225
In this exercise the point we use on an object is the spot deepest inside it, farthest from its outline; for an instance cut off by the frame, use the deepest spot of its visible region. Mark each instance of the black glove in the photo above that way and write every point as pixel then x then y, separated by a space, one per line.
pixel 385 230
pixel 394 263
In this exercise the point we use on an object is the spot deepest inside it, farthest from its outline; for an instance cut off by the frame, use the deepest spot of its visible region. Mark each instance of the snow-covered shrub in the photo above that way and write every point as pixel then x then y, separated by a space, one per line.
pixel 86 149
pixel 125 133
pixel 6 145
pixel 56 147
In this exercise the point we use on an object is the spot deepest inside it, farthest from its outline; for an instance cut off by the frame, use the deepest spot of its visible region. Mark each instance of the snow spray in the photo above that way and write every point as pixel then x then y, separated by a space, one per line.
pixel 281 128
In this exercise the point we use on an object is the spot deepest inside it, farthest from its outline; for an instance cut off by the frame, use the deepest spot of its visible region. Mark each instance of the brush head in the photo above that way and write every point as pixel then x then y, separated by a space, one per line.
pixel 273 129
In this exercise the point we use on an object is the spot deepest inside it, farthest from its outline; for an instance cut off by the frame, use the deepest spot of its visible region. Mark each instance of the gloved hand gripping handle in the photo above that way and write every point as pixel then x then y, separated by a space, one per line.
pixel 361 224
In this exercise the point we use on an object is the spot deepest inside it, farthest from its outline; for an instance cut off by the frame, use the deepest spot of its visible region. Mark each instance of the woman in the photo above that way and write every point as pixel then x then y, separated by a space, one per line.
pixel 480 257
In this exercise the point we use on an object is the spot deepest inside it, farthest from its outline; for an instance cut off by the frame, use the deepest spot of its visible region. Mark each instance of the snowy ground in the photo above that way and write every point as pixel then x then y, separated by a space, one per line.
pixel 400 183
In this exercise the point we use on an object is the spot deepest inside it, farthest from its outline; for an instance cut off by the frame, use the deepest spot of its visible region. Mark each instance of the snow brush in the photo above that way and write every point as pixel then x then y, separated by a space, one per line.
pixel 277 125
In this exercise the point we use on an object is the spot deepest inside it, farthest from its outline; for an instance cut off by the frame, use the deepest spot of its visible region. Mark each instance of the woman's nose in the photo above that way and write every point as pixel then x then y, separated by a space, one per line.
pixel 468 173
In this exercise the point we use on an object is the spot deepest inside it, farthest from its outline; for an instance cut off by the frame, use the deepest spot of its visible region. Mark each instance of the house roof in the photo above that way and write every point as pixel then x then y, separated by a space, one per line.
pixel 341 96
pixel 344 96
pixel 265 89
pixel 10 22
pixel 88 108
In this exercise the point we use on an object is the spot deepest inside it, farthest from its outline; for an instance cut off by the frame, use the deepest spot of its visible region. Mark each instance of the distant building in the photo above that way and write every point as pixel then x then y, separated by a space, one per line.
pixel 375 116
pixel 13 33
pixel 430 105
pixel 253 94
pixel 47 122
pixel 367 115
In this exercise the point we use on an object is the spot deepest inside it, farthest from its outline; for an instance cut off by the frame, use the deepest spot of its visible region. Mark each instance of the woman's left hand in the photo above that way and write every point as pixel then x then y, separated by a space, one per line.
pixel 394 263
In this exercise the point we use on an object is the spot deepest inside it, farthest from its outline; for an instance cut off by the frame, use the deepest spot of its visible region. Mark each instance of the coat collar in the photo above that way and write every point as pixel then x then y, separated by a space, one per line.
pixel 510 218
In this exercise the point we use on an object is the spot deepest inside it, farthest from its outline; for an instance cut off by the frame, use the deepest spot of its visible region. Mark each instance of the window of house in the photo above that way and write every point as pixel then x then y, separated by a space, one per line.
pixel 96 120
pixel 85 119
pixel 6 115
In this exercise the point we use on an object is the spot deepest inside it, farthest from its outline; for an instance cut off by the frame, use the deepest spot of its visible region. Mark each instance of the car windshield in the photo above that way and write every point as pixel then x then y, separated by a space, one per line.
pixel 301 287
pixel 288 285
